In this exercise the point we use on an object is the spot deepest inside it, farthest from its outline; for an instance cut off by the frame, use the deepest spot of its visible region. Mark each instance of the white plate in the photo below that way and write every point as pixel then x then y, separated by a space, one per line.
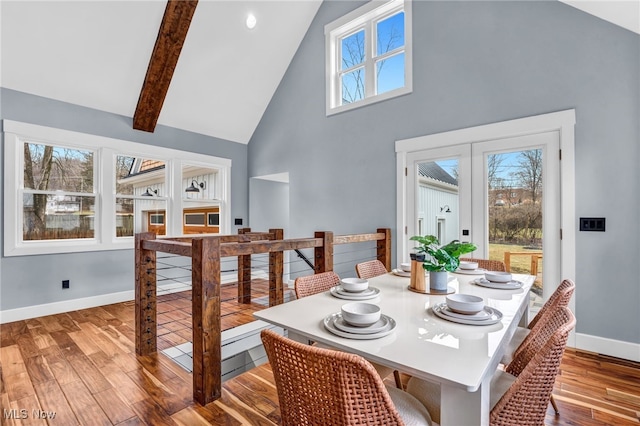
pixel 376 327
pixel 329 324
pixel 478 316
pixel 495 315
pixel 340 293
pixel 512 285
pixel 479 271
pixel 401 273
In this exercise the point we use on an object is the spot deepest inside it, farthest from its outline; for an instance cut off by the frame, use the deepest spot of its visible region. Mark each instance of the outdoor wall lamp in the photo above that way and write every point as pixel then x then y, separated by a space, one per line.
pixel 442 209
pixel 195 186
pixel 150 192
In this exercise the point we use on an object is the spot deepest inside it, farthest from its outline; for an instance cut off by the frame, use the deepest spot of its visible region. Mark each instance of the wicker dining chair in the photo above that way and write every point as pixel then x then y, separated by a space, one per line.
pixel 538 330
pixel 518 396
pixel 318 386
pixel 317 283
pixel 489 265
pixel 370 269
pixel 560 297
pixel 526 399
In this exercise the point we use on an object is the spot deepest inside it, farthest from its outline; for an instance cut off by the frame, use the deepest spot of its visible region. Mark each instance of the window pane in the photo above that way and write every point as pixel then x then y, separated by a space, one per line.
pixel 352 50
pixel 213 219
pixel 57 217
pixel 194 219
pixel 130 170
pixel 156 219
pixel 124 217
pixel 390 33
pixel 52 168
pixel 390 73
pixel 353 86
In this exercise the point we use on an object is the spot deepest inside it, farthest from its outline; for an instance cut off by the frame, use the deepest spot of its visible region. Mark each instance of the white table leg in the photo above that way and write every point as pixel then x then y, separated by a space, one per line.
pixel 461 408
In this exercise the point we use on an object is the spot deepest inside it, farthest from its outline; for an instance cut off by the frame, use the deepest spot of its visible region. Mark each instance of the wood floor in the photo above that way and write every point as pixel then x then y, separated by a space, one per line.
pixel 82 366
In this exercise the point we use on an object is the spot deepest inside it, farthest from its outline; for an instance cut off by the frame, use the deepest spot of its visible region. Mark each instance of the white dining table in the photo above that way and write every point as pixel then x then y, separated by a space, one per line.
pixel 461 357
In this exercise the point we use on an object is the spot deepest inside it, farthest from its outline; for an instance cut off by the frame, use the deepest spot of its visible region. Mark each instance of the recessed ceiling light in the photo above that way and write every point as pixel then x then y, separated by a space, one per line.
pixel 251 21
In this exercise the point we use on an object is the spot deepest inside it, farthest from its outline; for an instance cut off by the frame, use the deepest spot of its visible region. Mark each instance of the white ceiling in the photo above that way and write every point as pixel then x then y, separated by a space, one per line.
pixel 95 54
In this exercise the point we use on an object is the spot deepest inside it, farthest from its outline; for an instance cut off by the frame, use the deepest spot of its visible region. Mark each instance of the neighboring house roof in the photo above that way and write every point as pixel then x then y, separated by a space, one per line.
pixel 140 166
pixel 433 171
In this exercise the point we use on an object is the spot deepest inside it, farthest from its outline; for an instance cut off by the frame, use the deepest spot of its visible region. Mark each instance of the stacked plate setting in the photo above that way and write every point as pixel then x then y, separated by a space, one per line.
pixel 359 320
pixel 354 289
pixel 404 270
pixel 467 309
pixel 499 280
pixel 469 268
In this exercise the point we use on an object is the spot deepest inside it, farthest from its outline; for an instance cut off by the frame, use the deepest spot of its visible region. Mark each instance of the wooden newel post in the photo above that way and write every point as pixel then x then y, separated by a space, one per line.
pixel 384 248
pixel 244 272
pixel 207 352
pixel 324 255
pixel 145 293
pixel 276 269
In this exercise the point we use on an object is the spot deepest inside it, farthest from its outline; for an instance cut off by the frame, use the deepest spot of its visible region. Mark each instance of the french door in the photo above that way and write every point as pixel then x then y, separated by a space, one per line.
pixel 503 195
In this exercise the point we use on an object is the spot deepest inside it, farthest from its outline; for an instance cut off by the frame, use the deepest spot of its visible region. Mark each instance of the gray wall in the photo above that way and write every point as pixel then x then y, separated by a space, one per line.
pixel 476 63
pixel 33 280
pixel 268 205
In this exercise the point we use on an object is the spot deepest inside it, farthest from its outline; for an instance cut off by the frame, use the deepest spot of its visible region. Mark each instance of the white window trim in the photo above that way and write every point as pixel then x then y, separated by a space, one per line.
pixel 15 133
pixel 357 19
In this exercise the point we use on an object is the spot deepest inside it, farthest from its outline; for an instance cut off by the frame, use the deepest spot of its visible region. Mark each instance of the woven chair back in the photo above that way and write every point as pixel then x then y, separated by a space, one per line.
pixel 324 387
pixel 525 402
pixel 560 297
pixel 370 269
pixel 489 265
pixel 317 283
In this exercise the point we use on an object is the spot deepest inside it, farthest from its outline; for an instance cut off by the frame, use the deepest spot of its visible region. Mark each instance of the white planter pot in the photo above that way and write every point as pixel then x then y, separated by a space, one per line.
pixel 438 280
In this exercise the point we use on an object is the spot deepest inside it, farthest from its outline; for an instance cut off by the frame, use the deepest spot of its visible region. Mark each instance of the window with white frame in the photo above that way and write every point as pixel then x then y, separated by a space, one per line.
pixel 58 197
pixel 141 194
pixel 368 55
pixel 70 192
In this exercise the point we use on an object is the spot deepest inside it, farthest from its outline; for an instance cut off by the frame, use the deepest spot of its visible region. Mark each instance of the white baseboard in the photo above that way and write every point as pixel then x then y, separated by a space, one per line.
pixel 604 346
pixel 35 311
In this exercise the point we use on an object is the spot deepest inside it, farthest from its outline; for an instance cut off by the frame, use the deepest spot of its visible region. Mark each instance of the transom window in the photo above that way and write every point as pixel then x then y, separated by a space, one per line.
pixel 368 55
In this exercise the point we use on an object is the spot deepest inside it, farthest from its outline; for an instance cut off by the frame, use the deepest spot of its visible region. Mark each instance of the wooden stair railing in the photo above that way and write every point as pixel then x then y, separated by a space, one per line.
pixel 206 253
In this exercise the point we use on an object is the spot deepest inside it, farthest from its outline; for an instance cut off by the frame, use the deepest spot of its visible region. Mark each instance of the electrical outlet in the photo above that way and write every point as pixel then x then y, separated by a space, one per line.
pixel 65 284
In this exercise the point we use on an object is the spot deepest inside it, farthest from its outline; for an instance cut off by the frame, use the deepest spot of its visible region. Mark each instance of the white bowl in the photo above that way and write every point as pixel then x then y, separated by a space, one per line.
pixel 468 265
pixel 360 314
pixel 406 266
pixel 465 303
pixel 354 285
pixel 498 277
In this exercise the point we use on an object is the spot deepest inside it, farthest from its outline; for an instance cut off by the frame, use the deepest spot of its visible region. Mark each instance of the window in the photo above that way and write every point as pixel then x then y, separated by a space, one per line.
pixel 194 219
pixel 369 55
pixel 213 219
pixel 156 219
pixel 140 189
pixel 58 199
pixel 72 192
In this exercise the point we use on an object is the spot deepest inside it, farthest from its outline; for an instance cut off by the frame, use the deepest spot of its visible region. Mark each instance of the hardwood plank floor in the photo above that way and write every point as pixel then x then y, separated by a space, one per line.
pixel 82 366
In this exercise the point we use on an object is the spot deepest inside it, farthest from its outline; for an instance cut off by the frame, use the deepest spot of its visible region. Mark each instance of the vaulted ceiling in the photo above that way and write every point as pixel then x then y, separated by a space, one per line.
pixel 96 54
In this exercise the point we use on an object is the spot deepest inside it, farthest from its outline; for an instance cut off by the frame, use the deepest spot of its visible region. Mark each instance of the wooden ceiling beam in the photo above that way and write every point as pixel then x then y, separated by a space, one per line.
pixel 171 37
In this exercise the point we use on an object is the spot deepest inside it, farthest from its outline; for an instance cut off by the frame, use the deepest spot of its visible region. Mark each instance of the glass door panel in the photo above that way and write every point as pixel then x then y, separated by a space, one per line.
pixel 440 187
pixel 520 218
pixel 438 205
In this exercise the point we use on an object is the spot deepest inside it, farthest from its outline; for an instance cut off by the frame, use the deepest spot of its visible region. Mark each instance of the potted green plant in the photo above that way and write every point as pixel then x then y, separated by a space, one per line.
pixel 440 259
